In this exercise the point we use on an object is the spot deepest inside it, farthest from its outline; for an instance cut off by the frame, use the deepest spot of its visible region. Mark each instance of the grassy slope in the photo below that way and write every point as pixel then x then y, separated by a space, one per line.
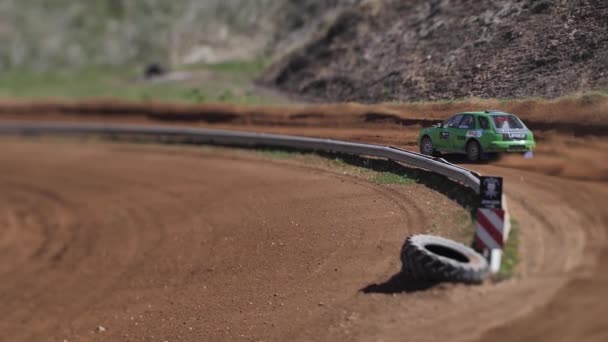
pixel 229 82
pixel 510 259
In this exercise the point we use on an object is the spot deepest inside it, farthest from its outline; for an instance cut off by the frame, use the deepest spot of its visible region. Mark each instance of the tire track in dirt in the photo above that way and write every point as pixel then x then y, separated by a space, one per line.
pixel 554 211
pixel 51 221
pixel 572 239
pixel 59 264
pixel 186 246
pixel 560 242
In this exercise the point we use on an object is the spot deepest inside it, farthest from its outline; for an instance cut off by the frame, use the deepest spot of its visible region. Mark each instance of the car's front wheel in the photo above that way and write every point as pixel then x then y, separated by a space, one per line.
pixel 473 151
pixel 426 146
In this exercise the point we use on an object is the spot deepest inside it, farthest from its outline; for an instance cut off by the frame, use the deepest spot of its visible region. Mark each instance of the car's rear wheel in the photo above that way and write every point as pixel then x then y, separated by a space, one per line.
pixel 426 146
pixel 473 151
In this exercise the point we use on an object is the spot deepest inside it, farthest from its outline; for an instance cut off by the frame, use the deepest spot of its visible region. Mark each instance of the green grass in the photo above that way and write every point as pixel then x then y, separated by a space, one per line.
pixel 510 258
pixel 228 82
pixel 592 98
pixel 239 68
pixel 73 83
pixel 340 162
pixel 392 178
pixel 345 163
pixel 278 154
pixel 377 171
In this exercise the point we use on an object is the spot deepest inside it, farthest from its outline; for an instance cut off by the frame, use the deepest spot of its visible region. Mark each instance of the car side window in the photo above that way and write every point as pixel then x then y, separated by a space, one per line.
pixel 454 121
pixel 468 122
pixel 484 123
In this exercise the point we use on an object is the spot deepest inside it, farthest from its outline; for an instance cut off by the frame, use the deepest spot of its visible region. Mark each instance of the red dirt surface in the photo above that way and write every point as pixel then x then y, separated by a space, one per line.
pixel 557 124
pixel 157 243
pixel 558 199
pixel 581 115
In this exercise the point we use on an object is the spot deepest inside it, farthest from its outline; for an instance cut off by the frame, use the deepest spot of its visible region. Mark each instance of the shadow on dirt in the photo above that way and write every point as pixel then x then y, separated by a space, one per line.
pixel 395 119
pixel 399 283
pixel 462 159
pixel 464 196
pixel 208 117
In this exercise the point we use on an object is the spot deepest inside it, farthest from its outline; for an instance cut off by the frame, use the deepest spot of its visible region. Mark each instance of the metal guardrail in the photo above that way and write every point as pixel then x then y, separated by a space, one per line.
pixel 238 138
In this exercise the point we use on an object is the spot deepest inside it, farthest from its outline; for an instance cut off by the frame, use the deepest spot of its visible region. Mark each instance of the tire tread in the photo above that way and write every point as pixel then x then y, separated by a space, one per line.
pixel 421 264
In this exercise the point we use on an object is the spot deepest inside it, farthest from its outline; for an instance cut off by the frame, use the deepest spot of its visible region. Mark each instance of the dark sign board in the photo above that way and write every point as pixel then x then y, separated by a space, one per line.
pixel 490 192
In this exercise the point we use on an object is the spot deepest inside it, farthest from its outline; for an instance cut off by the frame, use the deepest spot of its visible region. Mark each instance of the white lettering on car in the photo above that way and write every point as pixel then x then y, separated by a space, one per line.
pixel 517 135
pixel 474 134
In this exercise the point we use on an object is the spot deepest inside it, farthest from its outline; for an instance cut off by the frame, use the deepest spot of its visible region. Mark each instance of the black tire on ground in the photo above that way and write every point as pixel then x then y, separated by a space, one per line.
pixel 432 258
pixel 426 146
pixel 473 150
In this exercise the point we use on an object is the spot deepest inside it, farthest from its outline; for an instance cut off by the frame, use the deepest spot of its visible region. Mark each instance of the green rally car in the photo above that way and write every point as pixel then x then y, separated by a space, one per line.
pixel 477 134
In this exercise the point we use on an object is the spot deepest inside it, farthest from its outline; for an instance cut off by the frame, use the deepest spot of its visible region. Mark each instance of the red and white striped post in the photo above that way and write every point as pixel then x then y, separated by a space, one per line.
pixel 492 222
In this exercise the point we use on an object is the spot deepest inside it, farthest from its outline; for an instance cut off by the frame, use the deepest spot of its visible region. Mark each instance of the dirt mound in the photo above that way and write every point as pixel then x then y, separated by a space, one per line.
pixel 418 50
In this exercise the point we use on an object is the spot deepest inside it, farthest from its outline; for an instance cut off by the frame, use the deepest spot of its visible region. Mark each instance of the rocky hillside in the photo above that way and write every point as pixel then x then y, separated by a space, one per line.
pixel 444 49
pixel 42 34
pixel 330 50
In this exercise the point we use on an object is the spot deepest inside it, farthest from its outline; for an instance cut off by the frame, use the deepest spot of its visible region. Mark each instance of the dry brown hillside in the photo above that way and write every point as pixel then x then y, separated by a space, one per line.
pixel 441 49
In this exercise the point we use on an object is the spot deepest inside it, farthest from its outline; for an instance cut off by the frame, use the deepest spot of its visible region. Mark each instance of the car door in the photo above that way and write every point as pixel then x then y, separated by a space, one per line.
pixel 458 133
pixel 448 129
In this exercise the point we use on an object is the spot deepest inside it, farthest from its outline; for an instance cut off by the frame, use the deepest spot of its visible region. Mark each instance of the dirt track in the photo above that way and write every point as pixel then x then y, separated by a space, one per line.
pixel 559 295
pixel 157 243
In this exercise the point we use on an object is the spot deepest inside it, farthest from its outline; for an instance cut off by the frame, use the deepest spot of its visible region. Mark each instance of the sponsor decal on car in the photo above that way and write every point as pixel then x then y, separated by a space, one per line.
pixel 444 135
pixel 474 134
pixel 514 136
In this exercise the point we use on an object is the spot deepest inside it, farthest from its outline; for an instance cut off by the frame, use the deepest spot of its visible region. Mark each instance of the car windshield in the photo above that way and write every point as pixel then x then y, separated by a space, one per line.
pixel 453 121
pixel 468 122
pixel 506 121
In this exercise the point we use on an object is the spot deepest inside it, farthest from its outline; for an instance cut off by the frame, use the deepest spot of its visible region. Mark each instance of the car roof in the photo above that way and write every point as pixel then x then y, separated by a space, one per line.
pixel 472 113
pixel 486 113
